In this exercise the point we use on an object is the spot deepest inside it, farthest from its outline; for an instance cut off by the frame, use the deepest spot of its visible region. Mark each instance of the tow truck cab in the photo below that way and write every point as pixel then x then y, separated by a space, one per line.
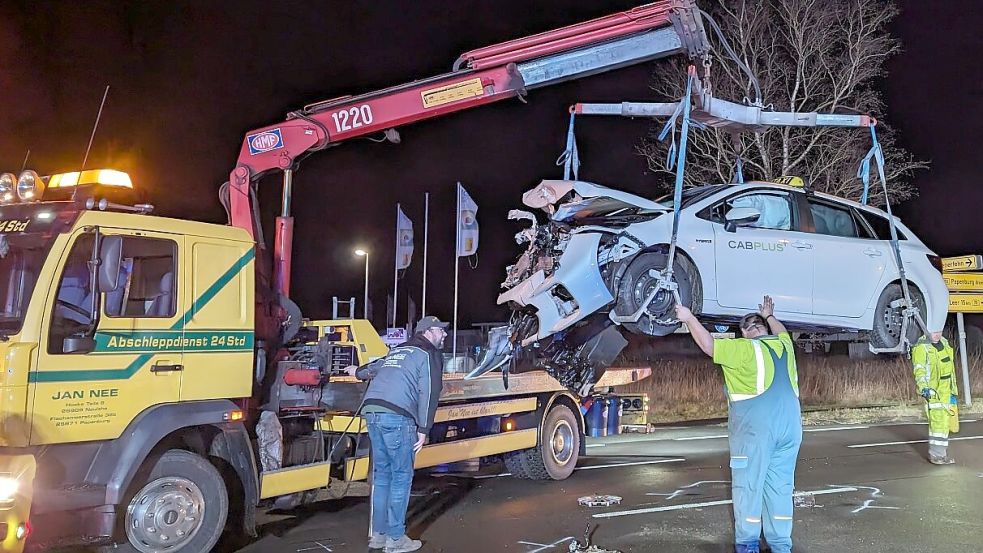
pixel 107 321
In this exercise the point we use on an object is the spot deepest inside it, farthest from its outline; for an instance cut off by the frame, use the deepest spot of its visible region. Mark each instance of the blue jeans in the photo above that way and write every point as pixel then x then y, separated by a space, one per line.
pixel 392 436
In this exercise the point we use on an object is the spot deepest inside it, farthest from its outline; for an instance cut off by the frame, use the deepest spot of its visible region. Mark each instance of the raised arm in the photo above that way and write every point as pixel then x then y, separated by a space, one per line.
pixel 700 335
pixel 767 310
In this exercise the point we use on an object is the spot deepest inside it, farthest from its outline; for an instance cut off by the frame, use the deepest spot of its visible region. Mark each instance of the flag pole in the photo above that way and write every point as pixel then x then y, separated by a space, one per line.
pixel 396 268
pixel 426 232
pixel 457 251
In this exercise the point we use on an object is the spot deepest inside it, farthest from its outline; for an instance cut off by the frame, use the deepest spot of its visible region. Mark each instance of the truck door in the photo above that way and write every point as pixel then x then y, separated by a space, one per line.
pixel 137 359
pixel 767 257
pixel 849 261
pixel 218 356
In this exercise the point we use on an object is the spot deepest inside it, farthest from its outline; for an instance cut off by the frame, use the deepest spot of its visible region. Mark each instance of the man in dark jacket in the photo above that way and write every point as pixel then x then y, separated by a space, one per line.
pixel 399 408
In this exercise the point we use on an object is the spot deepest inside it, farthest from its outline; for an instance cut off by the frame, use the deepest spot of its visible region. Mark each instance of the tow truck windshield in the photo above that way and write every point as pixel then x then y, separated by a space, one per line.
pixel 21 258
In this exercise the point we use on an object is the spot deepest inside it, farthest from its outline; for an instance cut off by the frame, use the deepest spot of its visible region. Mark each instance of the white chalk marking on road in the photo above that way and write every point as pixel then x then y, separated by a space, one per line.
pixel 709 504
pixel 682 491
pixel 595 445
pixel 836 428
pixel 320 547
pixel 544 546
pixel 868 504
pixel 631 464
pixel 688 438
pixel 880 444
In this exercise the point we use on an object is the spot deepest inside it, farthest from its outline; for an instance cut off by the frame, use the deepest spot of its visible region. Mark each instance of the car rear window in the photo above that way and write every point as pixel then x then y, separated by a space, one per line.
pixel 833 220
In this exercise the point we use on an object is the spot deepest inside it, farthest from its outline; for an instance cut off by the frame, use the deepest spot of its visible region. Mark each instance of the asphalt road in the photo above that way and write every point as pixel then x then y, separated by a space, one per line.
pixel 874 492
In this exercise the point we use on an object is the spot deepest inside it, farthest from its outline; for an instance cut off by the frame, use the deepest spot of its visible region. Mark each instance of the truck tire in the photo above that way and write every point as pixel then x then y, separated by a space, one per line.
pixel 180 506
pixel 636 284
pixel 556 455
pixel 887 320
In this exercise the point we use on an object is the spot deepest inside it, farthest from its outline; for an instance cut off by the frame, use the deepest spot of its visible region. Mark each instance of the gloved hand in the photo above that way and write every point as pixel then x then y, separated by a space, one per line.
pixel 927 393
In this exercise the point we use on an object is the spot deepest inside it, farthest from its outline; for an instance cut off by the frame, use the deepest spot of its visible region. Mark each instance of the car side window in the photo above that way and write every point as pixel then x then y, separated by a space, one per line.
pixel 775 209
pixel 881 226
pixel 833 220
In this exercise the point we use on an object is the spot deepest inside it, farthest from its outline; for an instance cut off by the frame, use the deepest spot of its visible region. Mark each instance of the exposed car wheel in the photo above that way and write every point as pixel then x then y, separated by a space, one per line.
pixel 887 320
pixel 556 455
pixel 180 506
pixel 638 282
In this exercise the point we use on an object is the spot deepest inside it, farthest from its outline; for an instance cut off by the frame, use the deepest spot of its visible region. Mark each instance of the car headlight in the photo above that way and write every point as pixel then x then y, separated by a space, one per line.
pixel 29 186
pixel 8 181
pixel 8 489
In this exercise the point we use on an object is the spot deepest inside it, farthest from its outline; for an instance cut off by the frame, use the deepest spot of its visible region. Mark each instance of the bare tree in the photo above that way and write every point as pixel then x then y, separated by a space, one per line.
pixel 808 55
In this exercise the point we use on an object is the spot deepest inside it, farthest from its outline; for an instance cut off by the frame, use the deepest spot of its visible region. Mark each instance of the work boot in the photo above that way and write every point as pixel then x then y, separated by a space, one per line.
pixel 946 460
pixel 402 545
pixel 377 541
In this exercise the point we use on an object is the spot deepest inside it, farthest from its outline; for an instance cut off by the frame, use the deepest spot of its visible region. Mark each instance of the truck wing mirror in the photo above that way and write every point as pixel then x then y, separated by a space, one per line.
pixel 739 217
pixel 78 344
pixel 110 257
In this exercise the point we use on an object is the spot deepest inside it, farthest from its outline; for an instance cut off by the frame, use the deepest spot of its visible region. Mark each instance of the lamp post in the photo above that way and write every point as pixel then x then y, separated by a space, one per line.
pixel 362 253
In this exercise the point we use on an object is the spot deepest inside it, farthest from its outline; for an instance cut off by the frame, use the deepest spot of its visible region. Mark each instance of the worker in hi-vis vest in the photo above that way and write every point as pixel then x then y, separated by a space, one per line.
pixel 765 423
pixel 935 377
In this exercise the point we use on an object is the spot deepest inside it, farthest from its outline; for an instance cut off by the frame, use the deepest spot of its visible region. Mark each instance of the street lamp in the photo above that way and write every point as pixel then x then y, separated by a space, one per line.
pixel 362 253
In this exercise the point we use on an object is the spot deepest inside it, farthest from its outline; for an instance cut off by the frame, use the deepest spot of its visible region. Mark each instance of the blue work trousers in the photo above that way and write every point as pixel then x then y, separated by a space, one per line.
pixel 765 435
pixel 392 437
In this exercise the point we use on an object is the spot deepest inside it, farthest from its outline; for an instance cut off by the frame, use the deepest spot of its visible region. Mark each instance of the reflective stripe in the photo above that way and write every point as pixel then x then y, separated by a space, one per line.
pixel 741 397
pixel 936 406
pixel 943 443
pixel 779 517
pixel 759 360
pixel 939 434
pixel 753 520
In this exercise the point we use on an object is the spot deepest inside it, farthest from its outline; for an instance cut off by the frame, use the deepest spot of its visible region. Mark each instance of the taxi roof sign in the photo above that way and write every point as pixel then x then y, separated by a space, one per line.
pixel 790 181
pixel 962 263
pixel 104 177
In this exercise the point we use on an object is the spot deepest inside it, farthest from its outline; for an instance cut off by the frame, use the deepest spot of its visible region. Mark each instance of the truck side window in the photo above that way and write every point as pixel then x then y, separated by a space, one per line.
pixel 73 302
pixel 145 287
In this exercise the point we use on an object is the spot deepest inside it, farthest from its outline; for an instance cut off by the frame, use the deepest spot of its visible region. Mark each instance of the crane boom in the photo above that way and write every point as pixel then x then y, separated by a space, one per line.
pixel 482 76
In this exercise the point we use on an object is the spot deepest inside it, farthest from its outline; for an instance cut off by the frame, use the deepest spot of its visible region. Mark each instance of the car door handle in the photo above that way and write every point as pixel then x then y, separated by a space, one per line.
pixel 802 245
pixel 871 252
pixel 165 368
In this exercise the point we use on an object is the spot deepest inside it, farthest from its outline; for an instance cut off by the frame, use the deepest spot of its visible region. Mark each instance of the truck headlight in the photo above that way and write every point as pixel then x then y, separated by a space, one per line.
pixel 29 186
pixel 8 489
pixel 8 181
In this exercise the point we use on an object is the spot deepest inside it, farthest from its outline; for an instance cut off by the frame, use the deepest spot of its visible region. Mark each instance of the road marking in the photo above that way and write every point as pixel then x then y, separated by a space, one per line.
pixel 709 504
pixel 687 438
pixel 320 547
pixel 595 445
pixel 913 442
pixel 835 428
pixel 632 464
pixel 544 546
pixel 681 490
pixel 868 504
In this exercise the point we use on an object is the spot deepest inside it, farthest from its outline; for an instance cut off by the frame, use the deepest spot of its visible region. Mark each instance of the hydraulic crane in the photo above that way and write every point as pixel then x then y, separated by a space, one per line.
pixel 493 73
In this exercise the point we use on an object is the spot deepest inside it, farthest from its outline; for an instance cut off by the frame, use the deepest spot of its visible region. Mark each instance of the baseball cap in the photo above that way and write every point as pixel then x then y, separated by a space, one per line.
pixel 429 322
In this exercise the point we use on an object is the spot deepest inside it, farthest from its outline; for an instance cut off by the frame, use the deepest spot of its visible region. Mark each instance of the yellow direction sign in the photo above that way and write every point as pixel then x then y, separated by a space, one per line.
pixel 966 303
pixel 962 263
pixel 963 282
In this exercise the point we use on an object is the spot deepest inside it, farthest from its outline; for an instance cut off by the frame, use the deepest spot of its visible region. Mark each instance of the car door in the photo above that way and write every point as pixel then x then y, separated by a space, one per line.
pixel 136 359
pixel 765 257
pixel 850 262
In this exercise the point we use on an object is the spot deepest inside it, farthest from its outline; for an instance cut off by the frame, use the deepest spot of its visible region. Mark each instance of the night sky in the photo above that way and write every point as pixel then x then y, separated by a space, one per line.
pixel 189 79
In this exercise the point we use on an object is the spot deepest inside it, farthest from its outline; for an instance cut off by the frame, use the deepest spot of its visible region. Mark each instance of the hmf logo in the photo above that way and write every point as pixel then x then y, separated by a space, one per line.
pixel 264 141
pixel 756 246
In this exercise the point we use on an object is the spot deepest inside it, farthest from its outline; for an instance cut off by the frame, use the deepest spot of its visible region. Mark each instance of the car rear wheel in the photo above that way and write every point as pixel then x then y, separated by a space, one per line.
pixel 659 319
pixel 888 320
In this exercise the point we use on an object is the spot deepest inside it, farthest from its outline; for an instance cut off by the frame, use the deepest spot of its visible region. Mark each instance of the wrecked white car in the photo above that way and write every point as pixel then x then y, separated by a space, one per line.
pixel 593 266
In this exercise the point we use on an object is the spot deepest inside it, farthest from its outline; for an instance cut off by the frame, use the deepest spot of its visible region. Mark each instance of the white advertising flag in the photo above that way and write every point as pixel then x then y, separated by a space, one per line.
pixel 467 223
pixel 404 240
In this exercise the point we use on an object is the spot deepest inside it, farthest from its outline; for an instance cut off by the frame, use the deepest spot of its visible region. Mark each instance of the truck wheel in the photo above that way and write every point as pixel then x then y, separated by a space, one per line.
pixel 636 285
pixel 180 507
pixel 887 320
pixel 556 456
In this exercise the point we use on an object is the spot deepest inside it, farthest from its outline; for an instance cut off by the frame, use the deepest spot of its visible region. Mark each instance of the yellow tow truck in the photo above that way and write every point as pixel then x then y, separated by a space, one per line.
pixel 129 371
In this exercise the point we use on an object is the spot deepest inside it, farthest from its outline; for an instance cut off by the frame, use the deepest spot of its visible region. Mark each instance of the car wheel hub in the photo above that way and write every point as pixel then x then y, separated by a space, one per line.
pixel 164 515
pixel 561 443
pixel 661 304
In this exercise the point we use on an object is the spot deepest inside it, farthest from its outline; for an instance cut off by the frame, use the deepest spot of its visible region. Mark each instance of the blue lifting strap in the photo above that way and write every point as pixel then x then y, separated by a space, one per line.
pixel 570 158
pixel 877 154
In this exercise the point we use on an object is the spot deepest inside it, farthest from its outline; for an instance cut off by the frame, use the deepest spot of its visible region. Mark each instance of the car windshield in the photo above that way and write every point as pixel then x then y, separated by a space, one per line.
pixel 692 195
pixel 21 258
